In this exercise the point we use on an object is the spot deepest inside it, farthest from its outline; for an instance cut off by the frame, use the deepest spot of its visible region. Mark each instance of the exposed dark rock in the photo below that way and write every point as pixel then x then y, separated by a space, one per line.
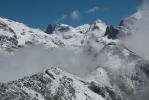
pixel 97 89
pixel 111 32
pixel 95 27
pixel 50 28
pixel 56 27
pixel 105 92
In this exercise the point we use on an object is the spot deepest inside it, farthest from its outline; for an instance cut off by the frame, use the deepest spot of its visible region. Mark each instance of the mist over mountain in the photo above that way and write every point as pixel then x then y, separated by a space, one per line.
pixel 138 41
pixel 89 62
pixel 34 59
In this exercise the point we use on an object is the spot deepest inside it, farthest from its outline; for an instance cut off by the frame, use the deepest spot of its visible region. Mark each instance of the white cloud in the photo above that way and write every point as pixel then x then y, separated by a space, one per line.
pixel 138 42
pixel 27 61
pixel 75 15
pixel 95 9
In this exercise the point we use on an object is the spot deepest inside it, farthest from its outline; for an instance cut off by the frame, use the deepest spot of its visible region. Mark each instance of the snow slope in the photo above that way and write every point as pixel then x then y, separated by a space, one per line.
pixel 55 84
pixel 14 35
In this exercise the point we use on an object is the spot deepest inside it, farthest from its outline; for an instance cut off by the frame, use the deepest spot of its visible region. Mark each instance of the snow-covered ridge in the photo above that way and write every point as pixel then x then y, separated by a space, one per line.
pixel 55 84
pixel 78 36
pixel 14 34
pixel 22 34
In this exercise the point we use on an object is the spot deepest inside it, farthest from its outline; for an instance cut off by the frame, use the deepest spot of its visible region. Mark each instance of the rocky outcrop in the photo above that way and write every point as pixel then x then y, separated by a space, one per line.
pixel 57 27
pixel 111 32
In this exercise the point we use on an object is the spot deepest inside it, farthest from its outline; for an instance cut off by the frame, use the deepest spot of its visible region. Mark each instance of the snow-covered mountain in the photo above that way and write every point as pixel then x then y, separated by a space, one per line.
pixel 55 84
pixel 14 35
pixel 119 75
pixel 78 36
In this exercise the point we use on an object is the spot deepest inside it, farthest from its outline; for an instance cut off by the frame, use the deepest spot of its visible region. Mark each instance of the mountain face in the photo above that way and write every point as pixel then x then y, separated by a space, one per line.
pixel 119 75
pixel 63 28
pixel 53 28
pixel 14 35
pixel 55 84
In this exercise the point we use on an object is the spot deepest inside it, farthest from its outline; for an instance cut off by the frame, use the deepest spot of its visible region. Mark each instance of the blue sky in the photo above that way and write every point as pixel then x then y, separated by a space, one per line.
pixel 39 13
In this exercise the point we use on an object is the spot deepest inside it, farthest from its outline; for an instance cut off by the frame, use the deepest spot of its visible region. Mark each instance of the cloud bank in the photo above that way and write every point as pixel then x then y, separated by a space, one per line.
pixel 28 61
pixel 138 42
